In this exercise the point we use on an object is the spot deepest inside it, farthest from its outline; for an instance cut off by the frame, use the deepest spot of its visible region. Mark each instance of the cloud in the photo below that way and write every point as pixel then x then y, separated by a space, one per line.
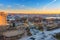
pixel 9 6
pixel 38 4
pixel 1 4
pixel 22 5
pixel 19 6
pixel 46 6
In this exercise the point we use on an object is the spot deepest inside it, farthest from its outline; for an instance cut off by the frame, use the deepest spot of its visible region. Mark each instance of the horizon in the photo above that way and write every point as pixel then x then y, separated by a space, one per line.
pixel 30 6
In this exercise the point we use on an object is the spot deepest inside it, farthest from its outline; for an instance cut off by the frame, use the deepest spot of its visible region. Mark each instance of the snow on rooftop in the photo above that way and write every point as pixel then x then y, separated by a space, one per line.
pixel 53 17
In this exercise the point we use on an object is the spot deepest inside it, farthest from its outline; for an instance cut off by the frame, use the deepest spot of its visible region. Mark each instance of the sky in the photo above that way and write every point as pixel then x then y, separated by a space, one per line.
pixel 30 6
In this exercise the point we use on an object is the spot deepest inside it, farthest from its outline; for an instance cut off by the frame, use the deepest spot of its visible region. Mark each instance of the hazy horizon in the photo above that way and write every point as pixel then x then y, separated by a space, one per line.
pixel 30 6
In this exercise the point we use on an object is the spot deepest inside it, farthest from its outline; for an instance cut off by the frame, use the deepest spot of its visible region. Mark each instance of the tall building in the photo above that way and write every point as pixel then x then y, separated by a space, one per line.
pixel 3 20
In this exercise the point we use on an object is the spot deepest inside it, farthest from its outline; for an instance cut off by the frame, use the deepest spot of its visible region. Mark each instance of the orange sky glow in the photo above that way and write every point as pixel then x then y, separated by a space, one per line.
pixel 32 11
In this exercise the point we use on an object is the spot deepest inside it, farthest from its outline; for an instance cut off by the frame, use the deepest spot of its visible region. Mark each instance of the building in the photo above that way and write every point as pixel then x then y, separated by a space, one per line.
pixel 3 20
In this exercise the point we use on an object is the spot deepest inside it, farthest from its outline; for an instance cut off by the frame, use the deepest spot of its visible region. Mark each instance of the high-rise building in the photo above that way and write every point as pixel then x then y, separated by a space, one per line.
pixel 3 20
